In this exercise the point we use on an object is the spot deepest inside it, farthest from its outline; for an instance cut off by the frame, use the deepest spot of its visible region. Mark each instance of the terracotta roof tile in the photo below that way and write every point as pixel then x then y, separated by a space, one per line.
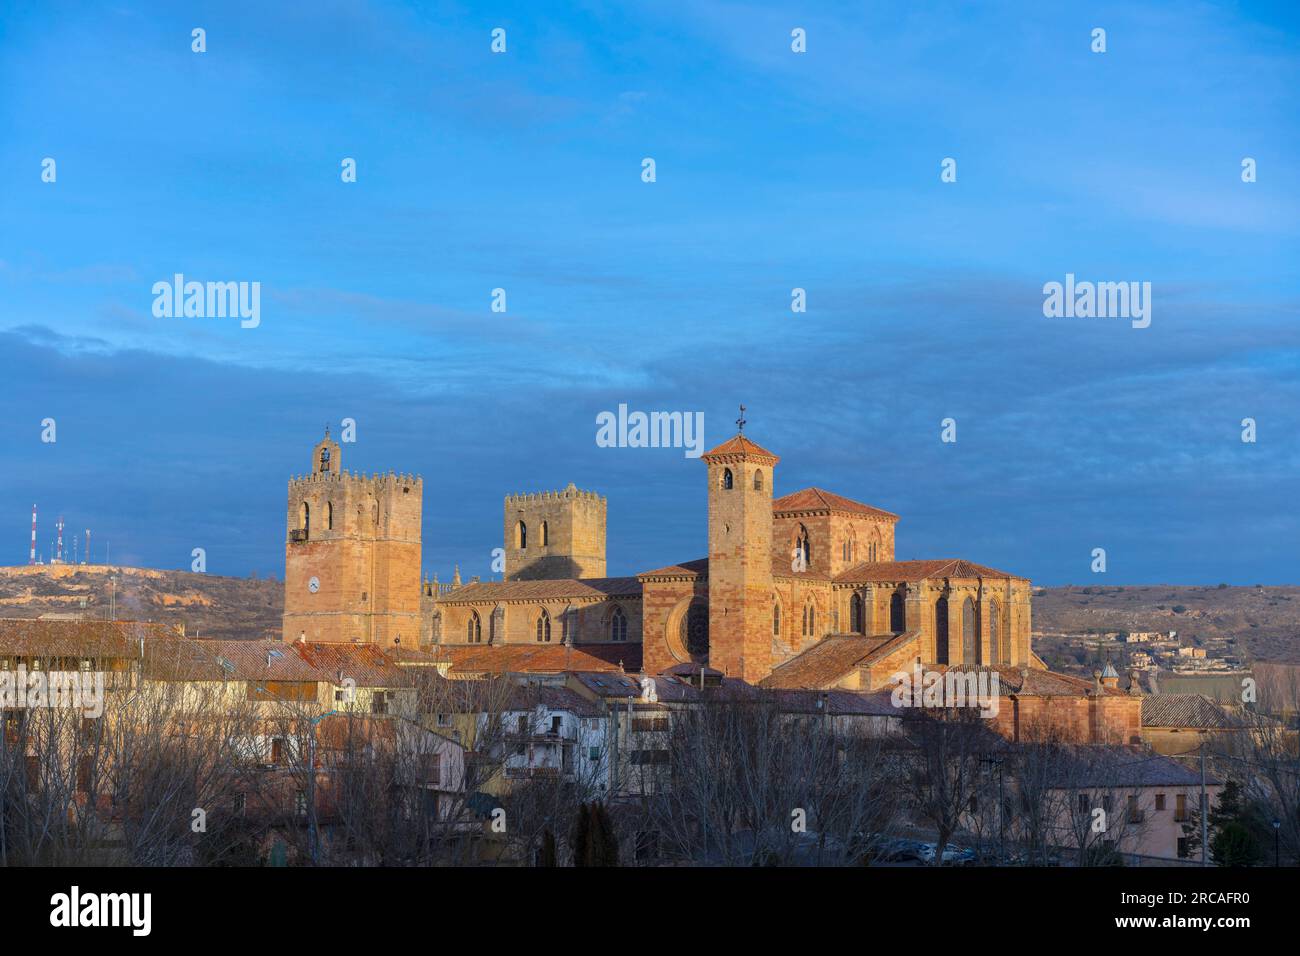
pixel 552 698
pixel 203 659
pixel 826 661
pixel 700 566
pixel 891 571
pixel 1078 766
pixel 100 639
pixel 837 703
pixel 1184 710
pixel 1033 682
pixel 543 590
pixel 818 499
pixel 740 445
pixel 473 659
pixel 366 664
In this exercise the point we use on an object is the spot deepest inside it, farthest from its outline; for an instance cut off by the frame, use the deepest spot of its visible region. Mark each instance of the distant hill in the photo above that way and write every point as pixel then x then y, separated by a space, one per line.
pixel 208 605
pixel 1264 621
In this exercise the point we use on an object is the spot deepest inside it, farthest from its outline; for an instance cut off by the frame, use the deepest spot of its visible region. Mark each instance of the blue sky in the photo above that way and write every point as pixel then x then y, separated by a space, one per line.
pixel 775 170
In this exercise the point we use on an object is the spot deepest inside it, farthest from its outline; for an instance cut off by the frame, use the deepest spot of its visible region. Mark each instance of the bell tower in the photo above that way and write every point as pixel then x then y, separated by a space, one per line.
pixel 352 554
pixel 740 476
pixel 325 457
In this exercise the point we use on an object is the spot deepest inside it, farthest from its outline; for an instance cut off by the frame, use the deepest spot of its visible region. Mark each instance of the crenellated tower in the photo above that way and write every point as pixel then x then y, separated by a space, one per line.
pixel 555 534
pixel 352 554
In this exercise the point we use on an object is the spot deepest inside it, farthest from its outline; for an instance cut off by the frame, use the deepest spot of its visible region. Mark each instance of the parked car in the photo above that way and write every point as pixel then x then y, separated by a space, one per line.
pixel 898 850
pixel 952 855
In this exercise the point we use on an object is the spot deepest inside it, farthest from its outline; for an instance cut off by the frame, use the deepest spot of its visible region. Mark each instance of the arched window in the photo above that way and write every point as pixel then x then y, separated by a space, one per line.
pixel 897 613
pixel 758 479
pixel 543 627
pixel 857 619
pixel 325 459
pixel 727 481
pixel 329 516
pixel 474 630
pixel 618 625
pixel 546 534
pixel 998 643
pixel 809 620
pixel 941 631
pixel 802 550
pixel 521 535
pixel 306 519
pixel 776 618
pixel 970 631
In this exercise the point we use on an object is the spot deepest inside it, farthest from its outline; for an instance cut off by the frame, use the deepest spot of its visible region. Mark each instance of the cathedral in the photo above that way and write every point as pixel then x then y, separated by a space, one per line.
pixel 801 590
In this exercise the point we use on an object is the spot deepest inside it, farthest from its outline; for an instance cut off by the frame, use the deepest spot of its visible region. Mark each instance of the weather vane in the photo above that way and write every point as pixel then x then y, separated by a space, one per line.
pixel 740 422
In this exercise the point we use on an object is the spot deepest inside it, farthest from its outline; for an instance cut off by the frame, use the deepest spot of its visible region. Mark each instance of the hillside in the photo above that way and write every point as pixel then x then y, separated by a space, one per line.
pixel 208 605
pixel 1261 622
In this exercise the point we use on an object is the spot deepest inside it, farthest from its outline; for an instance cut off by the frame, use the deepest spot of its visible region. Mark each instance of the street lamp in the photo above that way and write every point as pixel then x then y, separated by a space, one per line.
pixel 1277 831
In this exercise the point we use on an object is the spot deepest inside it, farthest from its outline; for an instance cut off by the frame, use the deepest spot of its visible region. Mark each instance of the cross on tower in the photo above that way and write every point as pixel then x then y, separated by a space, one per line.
pixel 740 422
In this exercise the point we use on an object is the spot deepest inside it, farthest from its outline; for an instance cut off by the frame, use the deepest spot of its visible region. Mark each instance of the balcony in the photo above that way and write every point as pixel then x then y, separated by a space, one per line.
pixel 298 535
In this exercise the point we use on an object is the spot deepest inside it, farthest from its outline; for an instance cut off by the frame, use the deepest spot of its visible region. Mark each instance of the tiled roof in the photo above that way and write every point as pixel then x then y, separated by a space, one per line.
pixel 892 571
pixel 265 660
pixel 1101 767
pixel 685 569
pixel 1184 710
pixel 365 664
pixel 668 688
pixel 552 698
pixel 1032 682
pixel 471 659
pixel 740 445
pixel 818 499
pixel 543 590
pixel 837 703
pixel 826 661
pixel 99 639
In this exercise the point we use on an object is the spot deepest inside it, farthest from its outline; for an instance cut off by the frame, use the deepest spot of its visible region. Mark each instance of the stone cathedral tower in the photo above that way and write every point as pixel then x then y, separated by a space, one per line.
pixel 555 534
pixel 352 554
pixel 740 558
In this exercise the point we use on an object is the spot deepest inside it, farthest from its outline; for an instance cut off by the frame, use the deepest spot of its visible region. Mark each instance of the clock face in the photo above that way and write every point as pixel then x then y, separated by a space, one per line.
pixel 313 585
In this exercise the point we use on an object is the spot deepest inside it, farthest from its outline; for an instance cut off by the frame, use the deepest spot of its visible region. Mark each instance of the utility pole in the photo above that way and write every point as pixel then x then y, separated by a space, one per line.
pixel 1205 810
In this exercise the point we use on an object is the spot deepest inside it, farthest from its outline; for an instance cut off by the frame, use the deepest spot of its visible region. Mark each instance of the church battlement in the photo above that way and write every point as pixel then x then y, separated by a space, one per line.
pixel 570 493
pixel 377 481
